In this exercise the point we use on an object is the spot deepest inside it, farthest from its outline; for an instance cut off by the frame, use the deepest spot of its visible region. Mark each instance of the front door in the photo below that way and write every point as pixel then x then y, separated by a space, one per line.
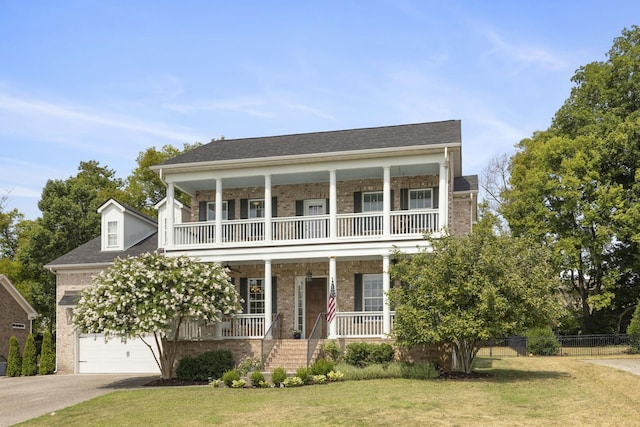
pixel 315 303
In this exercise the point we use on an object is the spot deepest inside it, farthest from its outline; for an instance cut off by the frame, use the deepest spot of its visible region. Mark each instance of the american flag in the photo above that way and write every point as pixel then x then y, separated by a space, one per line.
pixel 331 310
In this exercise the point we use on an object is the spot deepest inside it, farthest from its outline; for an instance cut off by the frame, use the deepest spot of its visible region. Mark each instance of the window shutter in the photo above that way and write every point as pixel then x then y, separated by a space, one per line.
pixel 244 208
pixel 357 292
pixel 299 207
pixel 393 200
pixel 357 202
pixel 231 208
pixel 436 198
pixel 274 295
pixel 202 211
pixel 404 199
pixel 274 207
pixel 244 293
pixel 327 206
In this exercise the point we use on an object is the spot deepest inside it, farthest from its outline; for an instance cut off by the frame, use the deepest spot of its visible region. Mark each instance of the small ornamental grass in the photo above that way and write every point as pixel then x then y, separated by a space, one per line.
pixel 230 376
pixel 278 375
pixel 425 370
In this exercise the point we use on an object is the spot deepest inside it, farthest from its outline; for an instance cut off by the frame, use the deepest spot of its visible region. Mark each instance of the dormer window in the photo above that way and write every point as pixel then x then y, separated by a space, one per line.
pixel 112 234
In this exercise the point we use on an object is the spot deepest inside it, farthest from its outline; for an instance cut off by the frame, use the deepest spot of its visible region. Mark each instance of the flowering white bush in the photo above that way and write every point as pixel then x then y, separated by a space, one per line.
pixel 151 295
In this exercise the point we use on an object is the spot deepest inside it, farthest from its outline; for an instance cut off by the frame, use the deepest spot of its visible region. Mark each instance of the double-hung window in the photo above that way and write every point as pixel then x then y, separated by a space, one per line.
pixel 211 211
pixel 112 234
pixel 421 198
pixel 372 292
pixel 372 202
pixel 255 304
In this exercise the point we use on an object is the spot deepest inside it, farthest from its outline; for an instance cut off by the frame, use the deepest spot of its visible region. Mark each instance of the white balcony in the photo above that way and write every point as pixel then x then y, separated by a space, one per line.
pixel 306 229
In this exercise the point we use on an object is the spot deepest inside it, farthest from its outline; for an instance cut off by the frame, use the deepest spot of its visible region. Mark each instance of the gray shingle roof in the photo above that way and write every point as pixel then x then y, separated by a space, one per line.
pixel 91 253
pixel 446 132
pixel 465 183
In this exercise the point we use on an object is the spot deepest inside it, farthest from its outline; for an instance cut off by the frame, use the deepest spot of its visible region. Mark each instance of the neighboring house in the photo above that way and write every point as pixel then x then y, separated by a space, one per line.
pixel 16 315
pixel 292 217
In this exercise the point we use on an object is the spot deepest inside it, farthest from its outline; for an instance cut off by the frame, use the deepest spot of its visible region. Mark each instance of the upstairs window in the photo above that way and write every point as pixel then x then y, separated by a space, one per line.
pixel 211 211
pixel 372 201
pixel 112 234
pixel 421 199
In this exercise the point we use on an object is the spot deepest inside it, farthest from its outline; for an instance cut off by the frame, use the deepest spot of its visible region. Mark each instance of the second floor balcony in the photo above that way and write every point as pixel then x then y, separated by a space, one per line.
pixel 307 229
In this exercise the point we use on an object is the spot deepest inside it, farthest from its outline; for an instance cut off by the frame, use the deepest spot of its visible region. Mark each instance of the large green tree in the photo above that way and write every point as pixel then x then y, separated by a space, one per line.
pixel 69 219
pixel 144 187
pixel 152 295
pixel 576 187
pixel 469 289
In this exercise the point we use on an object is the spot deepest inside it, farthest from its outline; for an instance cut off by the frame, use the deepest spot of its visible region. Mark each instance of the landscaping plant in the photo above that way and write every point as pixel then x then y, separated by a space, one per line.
pixel 634 331
pixel 278 375
pixel 14 361
pixel 29 357
pixel 47 363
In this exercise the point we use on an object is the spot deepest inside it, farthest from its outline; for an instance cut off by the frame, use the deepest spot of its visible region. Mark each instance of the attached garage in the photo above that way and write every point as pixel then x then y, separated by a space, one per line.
pixel 95 356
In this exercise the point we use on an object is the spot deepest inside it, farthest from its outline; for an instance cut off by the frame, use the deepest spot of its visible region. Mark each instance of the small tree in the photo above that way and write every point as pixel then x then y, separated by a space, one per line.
pixel 473 288
pixel 47 363
pixel 30 357
pixel 153 295
pixel 634 331
pixel 14 362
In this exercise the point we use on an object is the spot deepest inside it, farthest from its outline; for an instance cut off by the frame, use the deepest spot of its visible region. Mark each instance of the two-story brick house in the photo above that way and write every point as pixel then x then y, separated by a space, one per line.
pixel 296 216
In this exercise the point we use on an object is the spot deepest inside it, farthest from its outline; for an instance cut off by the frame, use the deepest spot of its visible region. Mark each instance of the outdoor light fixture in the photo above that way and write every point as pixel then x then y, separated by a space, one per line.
pixel 309 276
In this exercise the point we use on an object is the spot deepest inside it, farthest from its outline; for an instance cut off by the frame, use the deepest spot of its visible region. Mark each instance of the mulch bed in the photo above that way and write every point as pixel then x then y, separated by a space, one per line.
pixel 174 382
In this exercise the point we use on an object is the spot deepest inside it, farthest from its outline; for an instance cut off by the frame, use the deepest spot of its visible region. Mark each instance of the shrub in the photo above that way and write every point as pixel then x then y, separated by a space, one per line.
pixel 542 342
pixel 278 376
pixel 249 364
pixel 362 354
pixel 634 331
pixel 238 383
pixel 335 376
pixel 29 357
pixel 47 355
pixel 230 376
pixel 319 379
pixel 304 374
pixel 14 361
pixel 293 382
pixel 332 351
pixel 204 367
pixel 322 366
pixel 423 370
pixel 257 378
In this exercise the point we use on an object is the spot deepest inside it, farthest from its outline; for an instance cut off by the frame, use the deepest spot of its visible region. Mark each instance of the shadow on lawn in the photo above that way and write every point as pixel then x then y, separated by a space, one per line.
pixel 484 366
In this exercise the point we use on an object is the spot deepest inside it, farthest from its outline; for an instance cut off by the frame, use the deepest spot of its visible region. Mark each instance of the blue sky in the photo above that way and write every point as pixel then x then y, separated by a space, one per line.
pixel 105 80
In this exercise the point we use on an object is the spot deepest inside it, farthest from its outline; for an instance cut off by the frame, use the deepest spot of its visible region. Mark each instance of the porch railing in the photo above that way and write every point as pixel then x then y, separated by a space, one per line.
pixel 242 326
pixel 315 336
pixel 304 228
pixel 360 324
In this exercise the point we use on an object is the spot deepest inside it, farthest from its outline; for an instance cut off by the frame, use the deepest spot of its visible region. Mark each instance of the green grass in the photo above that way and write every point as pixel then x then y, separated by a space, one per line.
pixel 550 391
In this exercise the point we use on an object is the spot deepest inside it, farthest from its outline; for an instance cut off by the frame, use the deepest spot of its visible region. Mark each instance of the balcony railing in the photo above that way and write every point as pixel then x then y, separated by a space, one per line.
pixel 292 230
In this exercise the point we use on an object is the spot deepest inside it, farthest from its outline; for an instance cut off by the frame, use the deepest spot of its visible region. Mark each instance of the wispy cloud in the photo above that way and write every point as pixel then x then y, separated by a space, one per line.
pixel 521 53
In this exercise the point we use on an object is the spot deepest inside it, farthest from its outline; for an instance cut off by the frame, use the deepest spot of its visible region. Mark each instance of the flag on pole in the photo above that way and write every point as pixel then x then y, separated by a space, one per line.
pixel 331 309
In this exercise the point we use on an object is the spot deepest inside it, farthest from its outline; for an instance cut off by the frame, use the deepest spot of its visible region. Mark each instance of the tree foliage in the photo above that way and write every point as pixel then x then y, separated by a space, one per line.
pixel 14 359
pixel 152 295
pixel 47 363
pixel 576 186
pixel 472 288
pixel 144 187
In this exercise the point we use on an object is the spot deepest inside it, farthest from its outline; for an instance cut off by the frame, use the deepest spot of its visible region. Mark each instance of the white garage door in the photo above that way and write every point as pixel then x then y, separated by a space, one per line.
pixel 95 356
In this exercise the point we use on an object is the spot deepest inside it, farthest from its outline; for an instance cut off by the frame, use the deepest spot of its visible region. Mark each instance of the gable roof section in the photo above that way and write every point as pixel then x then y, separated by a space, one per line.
pixel 412 135
pixel 90 254
pixel 127 209
pixel 17 296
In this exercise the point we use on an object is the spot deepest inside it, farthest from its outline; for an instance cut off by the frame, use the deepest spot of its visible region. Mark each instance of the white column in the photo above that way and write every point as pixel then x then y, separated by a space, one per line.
pixel 386 202
pixel 170 214
pixel 218 210
pixel 333 326
pixel 333 206
pixel 267 209
pixel 386 282
pixel 268 307
pixel 443 199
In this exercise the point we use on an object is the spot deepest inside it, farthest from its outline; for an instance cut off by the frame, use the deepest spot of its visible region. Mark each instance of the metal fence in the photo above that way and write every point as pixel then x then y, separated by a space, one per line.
pixel 569 345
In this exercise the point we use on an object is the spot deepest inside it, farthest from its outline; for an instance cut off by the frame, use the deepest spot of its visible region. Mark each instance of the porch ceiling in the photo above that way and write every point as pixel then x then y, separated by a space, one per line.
pixel 308 177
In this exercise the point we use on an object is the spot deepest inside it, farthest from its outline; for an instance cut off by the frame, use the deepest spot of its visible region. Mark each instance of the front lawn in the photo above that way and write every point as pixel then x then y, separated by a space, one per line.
pixel 519 391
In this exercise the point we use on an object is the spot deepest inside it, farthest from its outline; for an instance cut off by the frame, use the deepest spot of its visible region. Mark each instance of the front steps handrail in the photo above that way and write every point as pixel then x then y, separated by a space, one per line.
pixel 315 336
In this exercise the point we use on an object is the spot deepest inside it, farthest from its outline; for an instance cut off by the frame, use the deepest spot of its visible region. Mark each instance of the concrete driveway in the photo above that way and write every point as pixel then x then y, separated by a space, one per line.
pixel 23 398
pixel 629 365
